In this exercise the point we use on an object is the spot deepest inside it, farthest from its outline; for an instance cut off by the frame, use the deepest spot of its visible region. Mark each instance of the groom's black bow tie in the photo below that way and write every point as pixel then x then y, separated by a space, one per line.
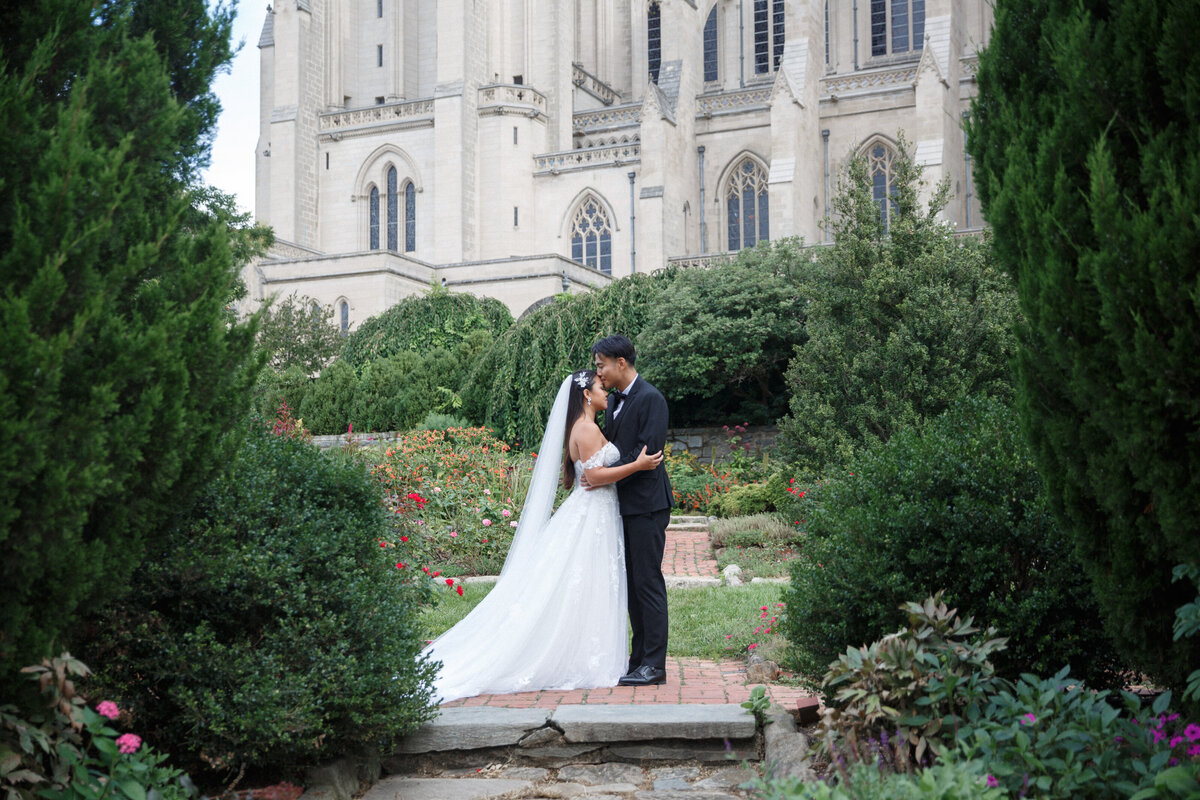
pixel 617 396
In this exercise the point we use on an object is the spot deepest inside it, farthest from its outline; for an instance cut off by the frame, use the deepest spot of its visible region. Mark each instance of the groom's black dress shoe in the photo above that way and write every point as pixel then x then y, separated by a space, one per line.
pixel 644 675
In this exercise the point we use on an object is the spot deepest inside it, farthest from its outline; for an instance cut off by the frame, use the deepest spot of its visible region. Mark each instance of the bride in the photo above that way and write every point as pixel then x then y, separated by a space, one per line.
pixel 556 618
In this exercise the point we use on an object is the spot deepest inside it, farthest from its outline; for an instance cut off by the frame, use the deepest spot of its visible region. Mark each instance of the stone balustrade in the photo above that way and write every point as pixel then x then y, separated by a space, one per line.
pixel 501 98
pixel 338 123
pixel 593 85
pixel 588 158
pixel 741 101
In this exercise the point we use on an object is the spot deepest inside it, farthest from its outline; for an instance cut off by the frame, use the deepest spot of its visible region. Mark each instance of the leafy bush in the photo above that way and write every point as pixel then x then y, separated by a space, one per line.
pixel 1054 738
pixel 425 322
pixel 61 748
pixel 1086 142
pixel 327 406
pixel 741 501
pixel 456 495
pixel 121 367
pixel 695 483
pixel 273 388
pixel 915 682
pixel 269 628
pixel 902 320
pixel 437 421
pixel 722 337
pixel 960 780
pixel 955 506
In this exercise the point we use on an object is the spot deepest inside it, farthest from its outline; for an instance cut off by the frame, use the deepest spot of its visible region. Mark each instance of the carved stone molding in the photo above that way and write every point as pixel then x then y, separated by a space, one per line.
pixel 588 158
pixel 743 100
pixel 376 115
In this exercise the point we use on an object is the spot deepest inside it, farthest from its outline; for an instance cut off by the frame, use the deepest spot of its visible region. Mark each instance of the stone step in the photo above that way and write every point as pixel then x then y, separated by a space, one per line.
pixel 684 518
pixel 470 728
pixel 687 526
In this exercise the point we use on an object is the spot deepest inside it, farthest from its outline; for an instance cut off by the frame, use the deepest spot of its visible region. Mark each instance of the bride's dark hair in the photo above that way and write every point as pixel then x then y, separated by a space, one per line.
pixel 580 382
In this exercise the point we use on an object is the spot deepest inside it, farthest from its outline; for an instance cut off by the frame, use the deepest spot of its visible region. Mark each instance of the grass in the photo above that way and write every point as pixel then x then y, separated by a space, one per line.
pixel 709 622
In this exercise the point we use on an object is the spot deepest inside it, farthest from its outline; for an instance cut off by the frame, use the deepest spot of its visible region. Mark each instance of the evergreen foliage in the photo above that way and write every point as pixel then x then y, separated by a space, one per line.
pixel 299 332
pixel 269 628
pixel 1086 143
pixel 121 369
pixel 901 321
pixel 956 505
pixel 423 322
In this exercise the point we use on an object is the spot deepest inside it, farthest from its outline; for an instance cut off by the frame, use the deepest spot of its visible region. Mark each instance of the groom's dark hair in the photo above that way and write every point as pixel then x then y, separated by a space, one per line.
pixel 616 346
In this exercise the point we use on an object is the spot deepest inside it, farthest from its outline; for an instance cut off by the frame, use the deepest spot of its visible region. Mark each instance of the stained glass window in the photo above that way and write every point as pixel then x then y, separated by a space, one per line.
pixel 591 236
pixel 710 46
pixel 410 217
pixel 374 218
pixel 746 205
pixel 393 211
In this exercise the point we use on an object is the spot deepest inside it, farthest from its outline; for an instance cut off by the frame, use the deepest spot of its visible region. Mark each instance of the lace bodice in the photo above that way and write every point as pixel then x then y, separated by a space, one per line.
pixel 604 457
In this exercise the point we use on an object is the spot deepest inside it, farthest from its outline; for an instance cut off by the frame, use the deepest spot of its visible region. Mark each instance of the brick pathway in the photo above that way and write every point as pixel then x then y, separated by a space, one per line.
pixel 689 552
pixel 689 681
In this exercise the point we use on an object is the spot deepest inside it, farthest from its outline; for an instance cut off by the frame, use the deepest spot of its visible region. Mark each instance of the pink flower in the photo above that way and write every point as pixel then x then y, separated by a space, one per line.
pixel 453 534
pixel 108 709
pixel 1028 719
pixel 751 647
pixel 1192 732
pixel 488 492
pixel 992 782
pixel 487 522
pixel 436 490
pixel 1158 735
pixel 128 743
pixel 506 513
pixel 512 524
pixel 1176 741
pixel 1194 750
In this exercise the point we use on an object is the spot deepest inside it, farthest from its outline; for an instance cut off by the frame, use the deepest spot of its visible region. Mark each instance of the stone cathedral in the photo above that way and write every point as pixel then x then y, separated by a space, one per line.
pixel 522 148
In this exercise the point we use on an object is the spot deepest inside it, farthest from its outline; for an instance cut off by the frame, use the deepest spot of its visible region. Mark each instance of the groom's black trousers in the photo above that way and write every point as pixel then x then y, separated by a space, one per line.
pixel 645 537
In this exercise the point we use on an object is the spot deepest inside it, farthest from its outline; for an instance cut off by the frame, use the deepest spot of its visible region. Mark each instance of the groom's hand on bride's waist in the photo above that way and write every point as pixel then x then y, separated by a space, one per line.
pixel 583 481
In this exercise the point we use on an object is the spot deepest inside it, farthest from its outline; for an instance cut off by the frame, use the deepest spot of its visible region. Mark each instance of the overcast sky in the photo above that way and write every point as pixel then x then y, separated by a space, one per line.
pixel 232 168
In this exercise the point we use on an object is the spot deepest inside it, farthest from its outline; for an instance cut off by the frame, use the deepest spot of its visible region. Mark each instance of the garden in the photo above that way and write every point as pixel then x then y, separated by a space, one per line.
pixel 980 506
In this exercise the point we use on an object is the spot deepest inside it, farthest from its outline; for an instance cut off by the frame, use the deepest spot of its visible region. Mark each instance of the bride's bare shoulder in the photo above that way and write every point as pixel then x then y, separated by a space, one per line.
pixel 586 438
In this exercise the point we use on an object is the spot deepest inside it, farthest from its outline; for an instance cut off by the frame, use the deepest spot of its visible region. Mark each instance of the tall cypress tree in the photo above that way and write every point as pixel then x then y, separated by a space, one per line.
pixel 120 369
pixel 1086 140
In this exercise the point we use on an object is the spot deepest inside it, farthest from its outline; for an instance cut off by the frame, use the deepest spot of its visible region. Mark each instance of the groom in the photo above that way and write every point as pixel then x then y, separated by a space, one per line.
pixel 637 416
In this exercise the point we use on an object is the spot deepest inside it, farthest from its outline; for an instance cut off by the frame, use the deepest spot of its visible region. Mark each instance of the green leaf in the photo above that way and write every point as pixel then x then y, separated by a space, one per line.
pixel 132 789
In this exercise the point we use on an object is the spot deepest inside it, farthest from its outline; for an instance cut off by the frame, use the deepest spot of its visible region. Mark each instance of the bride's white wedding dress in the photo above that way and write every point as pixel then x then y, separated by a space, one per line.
pixel 556 618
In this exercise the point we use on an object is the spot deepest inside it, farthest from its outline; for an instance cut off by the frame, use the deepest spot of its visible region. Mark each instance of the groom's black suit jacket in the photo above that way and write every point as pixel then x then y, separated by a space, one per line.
pixel 642 421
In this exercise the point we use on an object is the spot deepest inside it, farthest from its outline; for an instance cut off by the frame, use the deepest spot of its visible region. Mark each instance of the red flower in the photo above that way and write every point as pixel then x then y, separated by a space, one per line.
pixel 399 565
pixel 449 581
pixel 459 590
pixel 383 544
pixel 404 538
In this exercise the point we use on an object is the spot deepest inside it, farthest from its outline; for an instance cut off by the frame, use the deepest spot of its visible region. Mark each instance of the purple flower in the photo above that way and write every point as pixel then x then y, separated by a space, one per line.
pixel 1028 719
pixel 1194 750
pixel 1176 740
pixel 1192 732
pixel 992 782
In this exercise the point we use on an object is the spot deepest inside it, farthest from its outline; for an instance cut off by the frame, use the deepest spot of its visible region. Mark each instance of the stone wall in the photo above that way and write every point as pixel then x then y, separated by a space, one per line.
pixel 703 443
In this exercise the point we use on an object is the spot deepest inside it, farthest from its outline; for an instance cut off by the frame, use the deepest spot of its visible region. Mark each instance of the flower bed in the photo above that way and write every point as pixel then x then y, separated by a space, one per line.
pixel 455 496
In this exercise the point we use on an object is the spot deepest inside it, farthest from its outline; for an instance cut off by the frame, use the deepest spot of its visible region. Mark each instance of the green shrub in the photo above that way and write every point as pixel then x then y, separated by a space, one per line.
pixel 382 400
pixel 961 780
pixel 328 404
pixel 955 506
pixel 1054 738
pixel 741 501
pixel 61 748
pixel 273 388
pixel 297 331
pixel 269 627
pixel 902 320
pixel 425 322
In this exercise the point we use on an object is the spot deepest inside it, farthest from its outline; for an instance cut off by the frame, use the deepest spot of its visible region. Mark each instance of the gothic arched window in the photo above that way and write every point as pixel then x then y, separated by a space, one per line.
pixel 591 236
pixel 746 205
pixel 880 159
pixel 373 225
pixel 897 26
pixel 345 317
pixel 393 211
pixel 768 35
pixel 410 217
pixel 710 46
pixel 654 40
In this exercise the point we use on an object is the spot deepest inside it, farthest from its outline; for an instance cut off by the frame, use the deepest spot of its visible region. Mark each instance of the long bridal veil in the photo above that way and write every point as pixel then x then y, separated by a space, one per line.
pixel 547 470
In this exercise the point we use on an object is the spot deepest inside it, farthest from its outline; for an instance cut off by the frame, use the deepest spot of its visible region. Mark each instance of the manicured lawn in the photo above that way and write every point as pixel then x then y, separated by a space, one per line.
pixel 710 622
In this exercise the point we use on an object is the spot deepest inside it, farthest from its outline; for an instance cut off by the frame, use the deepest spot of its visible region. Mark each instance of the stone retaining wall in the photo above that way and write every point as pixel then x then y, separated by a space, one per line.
pixel 704 443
